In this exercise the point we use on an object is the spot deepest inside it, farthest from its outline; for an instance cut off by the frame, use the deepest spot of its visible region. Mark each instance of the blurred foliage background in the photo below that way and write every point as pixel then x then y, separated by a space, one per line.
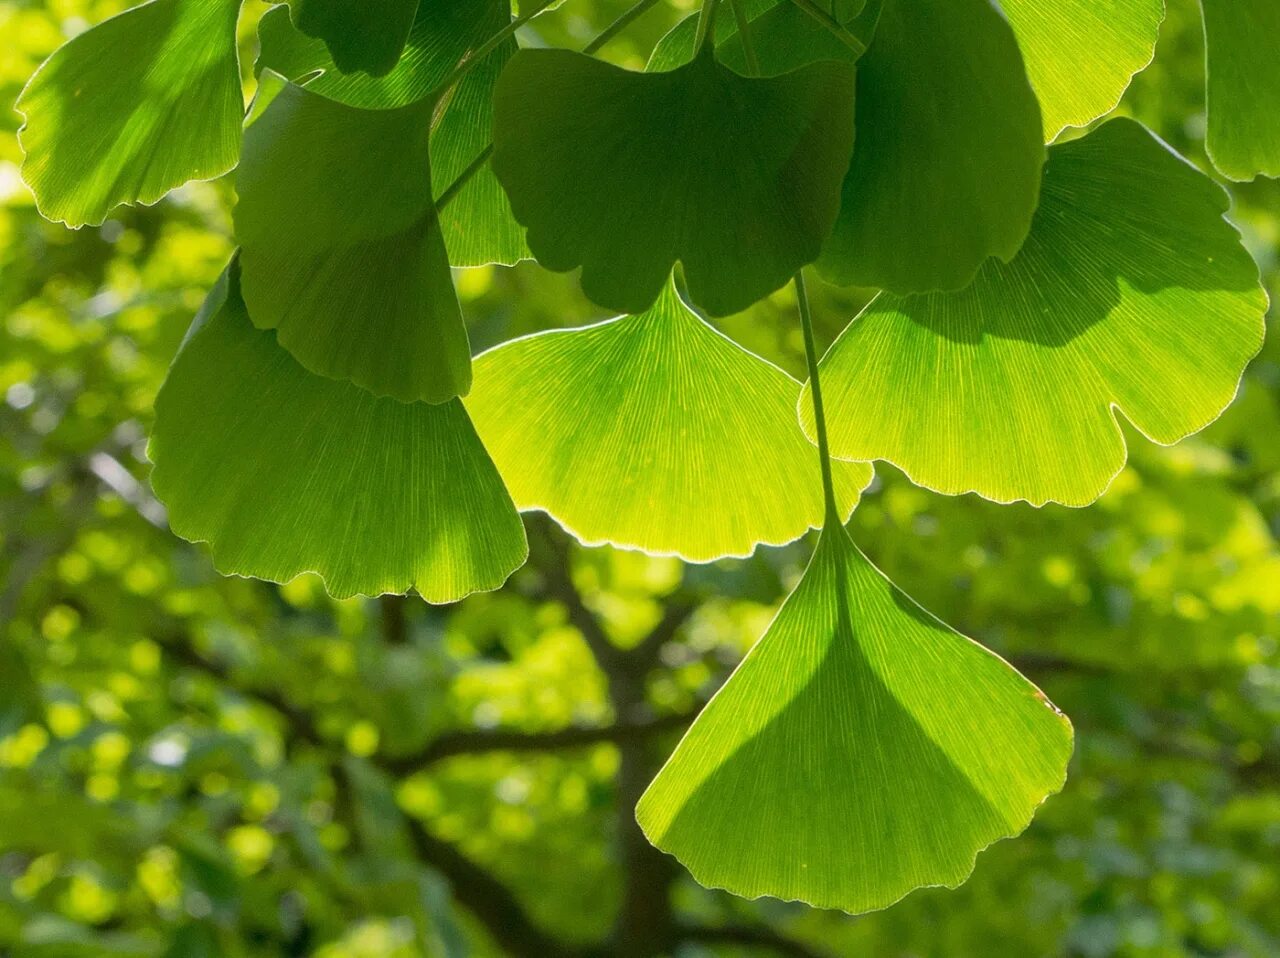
pixel 199 766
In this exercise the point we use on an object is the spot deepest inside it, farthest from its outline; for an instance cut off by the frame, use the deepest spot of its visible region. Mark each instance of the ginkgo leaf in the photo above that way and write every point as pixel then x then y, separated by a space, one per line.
pixel 861 750
pixel 283 472
pixel 132 108
pixel 624 173
pixel 477 224
pixel 367 35
pixel 947 169
pixel 1081 54
pixel 653 432
pixel 1243 136
pixel 341 250
pixel 1132 293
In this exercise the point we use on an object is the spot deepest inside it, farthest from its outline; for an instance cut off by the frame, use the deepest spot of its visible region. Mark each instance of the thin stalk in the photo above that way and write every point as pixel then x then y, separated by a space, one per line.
pixel 806 321
pixel 453 189
pixel 833 25
pixel 819 411
pixel 608 33
pixel 613 29
pixel 706 24
pixel 477 56
pixel 744 31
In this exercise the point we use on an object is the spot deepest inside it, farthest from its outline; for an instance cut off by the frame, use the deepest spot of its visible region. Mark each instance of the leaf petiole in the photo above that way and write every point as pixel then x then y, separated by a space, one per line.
pixel 819 413
pixel 744 31
pixel 706 22
pixel 833 25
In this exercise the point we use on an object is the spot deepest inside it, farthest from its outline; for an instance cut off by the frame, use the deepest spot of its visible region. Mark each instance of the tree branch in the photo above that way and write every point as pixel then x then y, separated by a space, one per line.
pixel 480 741
pixel 751 936
pixel 489 900
pixel 674 616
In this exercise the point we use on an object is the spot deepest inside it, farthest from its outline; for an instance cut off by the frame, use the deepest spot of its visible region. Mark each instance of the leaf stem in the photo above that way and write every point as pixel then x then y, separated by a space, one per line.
pixel 453 189
pixel 618 25
pixel 476 56
pixel 744 31
pixel 832 25
pixel 819 412
pixel 832 518
pixel 706 24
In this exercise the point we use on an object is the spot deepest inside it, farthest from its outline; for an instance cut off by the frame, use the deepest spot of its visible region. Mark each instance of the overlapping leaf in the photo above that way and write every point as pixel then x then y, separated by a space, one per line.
pixel 132 108
pixel 1243 137
pixel 947 168
pixel 624 174
pixel 477 224
pixel 1132 292
pixel 283 472
pixel 1081 54
pixel 653 432
pixel 366 35
pixel 862 749
pixel 342 252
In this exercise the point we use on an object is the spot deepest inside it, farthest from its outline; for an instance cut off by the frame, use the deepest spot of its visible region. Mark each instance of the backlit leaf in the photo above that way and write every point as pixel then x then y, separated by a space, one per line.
pixel 1081 54
pixel 653 432
pixel 478 226
pixel 342 253
pixel 132 108
pixel 861 750
pixel 367 35
pixel 626 173
pixel 947 168
pixel 1132 293
pixel 1243 39
pixel 284 472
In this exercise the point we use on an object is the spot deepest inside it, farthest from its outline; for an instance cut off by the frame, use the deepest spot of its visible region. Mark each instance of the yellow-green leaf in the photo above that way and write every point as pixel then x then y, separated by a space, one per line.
pixel 861 750
pixel 1132 293
pixel 132 108
pixel 283 472
pixel 654 432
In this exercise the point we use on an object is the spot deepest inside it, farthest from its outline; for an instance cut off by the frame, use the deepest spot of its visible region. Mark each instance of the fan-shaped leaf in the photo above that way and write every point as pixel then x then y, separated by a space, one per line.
pixel 1131 292
pixel 132 108
pixel 367 35
pixel 947 168
pixel 863 749
pixel 477 224
pixel 342 253
pixel 1244 86
pixel 1081 54
pixel 626 173
pixel 653 432
pixel 283 472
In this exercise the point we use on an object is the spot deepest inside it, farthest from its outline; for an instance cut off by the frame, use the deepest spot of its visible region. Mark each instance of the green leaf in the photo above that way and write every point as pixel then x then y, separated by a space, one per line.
pixel 1081 54
pixel 478 226
pixel 653 432
pixel 373 494
pixel 626 173
pixel 132 108
pixel 1132 292
pixel 947 168
pixel 367 35
pixel 342 253
pixel 861 750
pixel 1243 137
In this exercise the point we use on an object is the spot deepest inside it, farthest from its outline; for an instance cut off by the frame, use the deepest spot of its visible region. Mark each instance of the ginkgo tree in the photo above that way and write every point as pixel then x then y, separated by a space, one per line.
pixel 325 414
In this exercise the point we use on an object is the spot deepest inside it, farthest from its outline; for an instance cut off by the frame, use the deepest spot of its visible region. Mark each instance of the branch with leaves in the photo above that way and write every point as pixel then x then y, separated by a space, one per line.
pixel 325 412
